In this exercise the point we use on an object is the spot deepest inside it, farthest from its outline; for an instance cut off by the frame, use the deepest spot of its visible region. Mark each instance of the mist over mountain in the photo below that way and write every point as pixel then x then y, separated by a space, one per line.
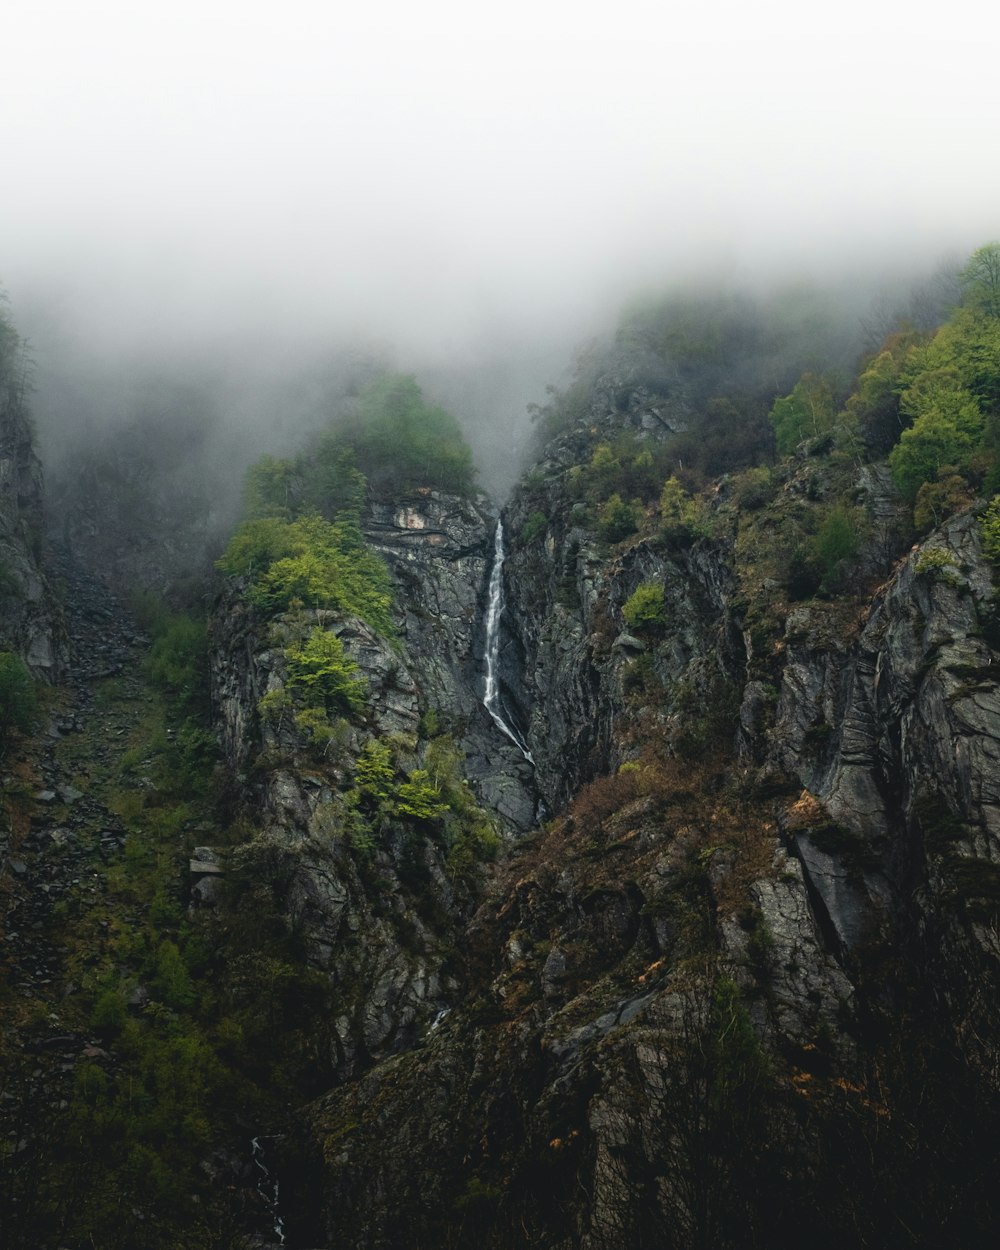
pixel 499 626
pixel 240 197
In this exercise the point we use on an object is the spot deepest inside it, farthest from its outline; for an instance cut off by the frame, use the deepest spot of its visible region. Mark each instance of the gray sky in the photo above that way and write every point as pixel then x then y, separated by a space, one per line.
pixel 440 175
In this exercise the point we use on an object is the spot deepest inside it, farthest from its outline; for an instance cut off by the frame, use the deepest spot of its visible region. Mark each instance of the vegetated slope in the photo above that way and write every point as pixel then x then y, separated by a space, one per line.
pixel 741 989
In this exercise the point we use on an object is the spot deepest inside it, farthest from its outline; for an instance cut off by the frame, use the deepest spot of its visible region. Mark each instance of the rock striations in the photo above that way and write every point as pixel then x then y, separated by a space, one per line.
pixel 740 990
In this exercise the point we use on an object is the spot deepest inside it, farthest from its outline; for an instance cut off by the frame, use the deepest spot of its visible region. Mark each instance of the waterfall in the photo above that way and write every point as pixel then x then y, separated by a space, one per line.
pixel 267 1187
pixel 494 611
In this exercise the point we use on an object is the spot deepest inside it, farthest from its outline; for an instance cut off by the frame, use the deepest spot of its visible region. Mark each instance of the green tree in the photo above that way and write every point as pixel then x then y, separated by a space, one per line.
pixel 325 673
pixel 401 442
pixel 644 609
pixel 944 435
pixel 990 529
pixel 837 540
pixel 808 411
pixel 316 562
pixel 673 501
pixel 618 519
pixel 419 798
pixel 980 279
pixel 268 488
pixel 875 402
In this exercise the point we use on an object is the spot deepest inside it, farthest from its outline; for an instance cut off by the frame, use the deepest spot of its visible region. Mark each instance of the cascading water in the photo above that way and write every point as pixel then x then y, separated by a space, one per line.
pixel 267 1187
pixel 494 610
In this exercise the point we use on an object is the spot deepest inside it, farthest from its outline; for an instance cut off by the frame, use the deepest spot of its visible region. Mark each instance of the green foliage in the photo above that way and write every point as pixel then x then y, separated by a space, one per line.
pixel 256 545
pixel 989 528
pixel 418 798
pixel 328 738
pixel 681 515
pixel 950 389
pixel 436 795
pixel 534 526
pixel 627 467
pixel 374 773
pixel 644 608
pixel 178 661
pixel 401 442
pixel 276 707
pixel 673 500
pixel 172 983
pixel 940 499
pixel 738 1063
pixel 937 564
pixel 807 412
pixel 875 403
pixel 618 519
pixel 821 561
pixel 837 538
pixel 394 442
pixel 18 700
pixel 330 482
pixel 268 488
pixel 470 833
pixel 753 488
pixel 109 1014
pixel 947 428
pixel 980 279
pixel 325 674
pixel 311 562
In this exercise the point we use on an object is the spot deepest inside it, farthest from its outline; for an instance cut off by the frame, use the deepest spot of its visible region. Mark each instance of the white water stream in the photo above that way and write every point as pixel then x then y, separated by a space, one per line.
pixel 494 611
pixel 267 1187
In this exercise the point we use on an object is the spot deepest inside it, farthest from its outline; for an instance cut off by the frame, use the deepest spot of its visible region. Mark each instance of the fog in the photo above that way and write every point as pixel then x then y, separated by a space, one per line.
pixel 250 203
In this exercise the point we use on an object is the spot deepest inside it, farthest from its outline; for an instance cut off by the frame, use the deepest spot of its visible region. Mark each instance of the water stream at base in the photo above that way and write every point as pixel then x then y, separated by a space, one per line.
pixel 494 611
pixel 267 1187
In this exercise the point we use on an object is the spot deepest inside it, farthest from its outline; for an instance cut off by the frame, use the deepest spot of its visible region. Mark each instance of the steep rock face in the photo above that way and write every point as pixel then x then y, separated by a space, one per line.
pixel 705 1014
pixel 576 675
pixel 909 726
pixel 565 1100
pixel 382 924
pixel 29 622
pixel 439 549
pixel 382 949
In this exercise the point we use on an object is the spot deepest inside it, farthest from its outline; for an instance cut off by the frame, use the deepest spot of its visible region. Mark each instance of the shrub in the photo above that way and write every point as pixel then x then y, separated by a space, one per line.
pixel 936 501
pixel 989 527
pixel 808 411
pixel 837 538
pixel 312 561
pixel 644 608
pixel 753 488
pixel 617 519
pixel 937 564
pixel 536 524
pixel 325 673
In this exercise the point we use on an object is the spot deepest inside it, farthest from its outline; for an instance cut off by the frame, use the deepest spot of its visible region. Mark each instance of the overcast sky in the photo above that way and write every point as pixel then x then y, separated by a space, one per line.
pixel 439 174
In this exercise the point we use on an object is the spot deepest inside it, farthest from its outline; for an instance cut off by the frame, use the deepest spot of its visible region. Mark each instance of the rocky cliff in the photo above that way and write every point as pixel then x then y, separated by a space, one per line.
pixel 29 622
pixel 741 990
pixel 713 962
pixel 382 920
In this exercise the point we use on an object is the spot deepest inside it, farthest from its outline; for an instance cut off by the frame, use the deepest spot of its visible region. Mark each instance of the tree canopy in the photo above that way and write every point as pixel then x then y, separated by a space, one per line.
pixel 401 442
pixel 980 279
